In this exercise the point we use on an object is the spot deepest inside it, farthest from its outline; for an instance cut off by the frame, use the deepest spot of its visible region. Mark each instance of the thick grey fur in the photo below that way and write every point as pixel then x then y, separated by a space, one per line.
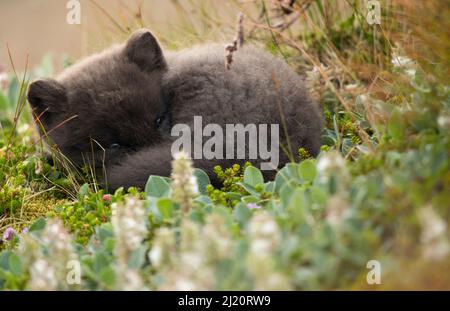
pixel 105 108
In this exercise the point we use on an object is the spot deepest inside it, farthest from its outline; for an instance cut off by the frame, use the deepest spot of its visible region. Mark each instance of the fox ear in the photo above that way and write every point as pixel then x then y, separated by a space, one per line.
pixel 143 49
pixel 47 98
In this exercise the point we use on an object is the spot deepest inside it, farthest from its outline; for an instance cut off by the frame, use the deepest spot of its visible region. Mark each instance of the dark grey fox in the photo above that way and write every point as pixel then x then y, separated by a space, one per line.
pixel 115 109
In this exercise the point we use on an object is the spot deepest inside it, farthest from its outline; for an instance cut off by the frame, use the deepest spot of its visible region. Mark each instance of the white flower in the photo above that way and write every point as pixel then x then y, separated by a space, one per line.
pixel 163 244
pixel 264 233
pixel 411 72
pixel 133 281
pixel 129 226
pixel 48 270
pixel 444 121
pixel 405 63
pixel 261 246
pixel 265 238
pixel 193 185
pixel 42 276
pixel 57 238
pixel 155 255
pixel 217 240
pixel 183 284
pixel 184 184
pixel 434 234
pixel 337 210
pixel 332 164
pixel 190 264
pixel 350 87
pixel 331 161
pixel 23 128
pixel 128 222
pixel 192 260
pixel 401 61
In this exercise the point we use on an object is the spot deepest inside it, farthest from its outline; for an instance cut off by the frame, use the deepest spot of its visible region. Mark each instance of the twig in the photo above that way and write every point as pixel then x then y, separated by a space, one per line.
pixel 238 42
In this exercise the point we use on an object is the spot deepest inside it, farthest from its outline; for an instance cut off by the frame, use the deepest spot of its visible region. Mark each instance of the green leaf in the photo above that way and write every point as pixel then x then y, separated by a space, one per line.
pixel 108 276
pixel 296 202
pixel 15 264
pixel 234 195
pixel 104 232
pixel 109 244
pixel 203 199
pixel 165 208
pixel 225 213
pixel 250 189
pixel 202 180
pixel 137 258
pixel 4 259
pixel 84 190
pixel 197 215
pixel 4 103
pixel 269 186
pixel 253 176
pixel 157 187
pixel 307 170
pixel 242 214
pixel 319 195
pixel 348 23
pixel 395 126
pixel 288 173
pixel 38 225
pixel 250 199
pixel 100 261
pixel 286 192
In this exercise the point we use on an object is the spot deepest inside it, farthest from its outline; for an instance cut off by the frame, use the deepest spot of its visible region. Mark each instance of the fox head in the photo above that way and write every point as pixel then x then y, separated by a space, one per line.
pixel 107 103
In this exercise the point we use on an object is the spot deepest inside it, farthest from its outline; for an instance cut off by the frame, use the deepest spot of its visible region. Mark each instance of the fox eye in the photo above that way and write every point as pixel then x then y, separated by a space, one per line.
pixel 159 121
pixel 114 146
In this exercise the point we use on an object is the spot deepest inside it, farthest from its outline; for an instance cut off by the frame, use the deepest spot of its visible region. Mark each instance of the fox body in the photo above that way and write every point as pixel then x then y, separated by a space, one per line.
pixel 116 109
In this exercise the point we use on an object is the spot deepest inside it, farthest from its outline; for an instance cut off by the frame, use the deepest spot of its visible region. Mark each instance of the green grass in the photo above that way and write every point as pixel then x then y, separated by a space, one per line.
pixel 378 190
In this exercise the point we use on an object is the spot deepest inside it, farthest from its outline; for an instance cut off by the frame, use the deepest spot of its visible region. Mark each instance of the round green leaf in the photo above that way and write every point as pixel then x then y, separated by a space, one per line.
pixel 307 170
pixel 202 180
pixel 157 187
pixel 253 176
